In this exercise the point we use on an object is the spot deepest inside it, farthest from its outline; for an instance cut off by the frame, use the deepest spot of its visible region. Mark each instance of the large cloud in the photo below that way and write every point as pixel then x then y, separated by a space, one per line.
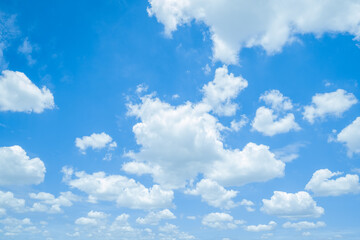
pixel 329 104
pixel 292 205
pixel 17 168
pixel 321 183
pixel 269 24
pixel 19 94
pixel 122 190
pixel 178 143
pixel 350 135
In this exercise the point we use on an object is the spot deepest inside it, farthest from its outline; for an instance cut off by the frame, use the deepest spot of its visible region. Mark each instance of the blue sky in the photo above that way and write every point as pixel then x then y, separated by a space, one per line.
pixel 182 119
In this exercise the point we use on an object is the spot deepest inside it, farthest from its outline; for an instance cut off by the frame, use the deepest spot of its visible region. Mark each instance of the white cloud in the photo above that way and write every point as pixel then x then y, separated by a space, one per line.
pixel 171 231
pixel 276 100
pixel 261 227
pixel 292 205
pixel 268 123
pixel 237 125
pixel 350 136
pixel 18 169
pixel 321 184
pixel 329 104
pixel 304 225
pixel 48 202
pixel 153 218
pixel 26 49
pixel 270 24
pixel 178 143
pixel 14 226
pixel 214 194
pixel 86 221
pixel 268 120
pixel 124 191
pixel 248 205
pixel 7 200
pixel 95 141
pixel 289 152
pixel 97 215
pixel 219 92
pixel 220 221
pixel 19 94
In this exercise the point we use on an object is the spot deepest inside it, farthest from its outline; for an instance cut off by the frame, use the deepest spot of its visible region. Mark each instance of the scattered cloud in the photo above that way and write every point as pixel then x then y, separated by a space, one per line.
pixel 291 205
pixel 50 204
pixel 8 201
pixel 18 169
pixel 237 125
pixel 329 104
pixel 276 100
pixel 19 94
pixel 321 183
pixel 26 48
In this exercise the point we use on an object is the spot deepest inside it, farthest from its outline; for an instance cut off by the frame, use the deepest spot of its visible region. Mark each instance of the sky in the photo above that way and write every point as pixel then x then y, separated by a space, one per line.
pixel 179 119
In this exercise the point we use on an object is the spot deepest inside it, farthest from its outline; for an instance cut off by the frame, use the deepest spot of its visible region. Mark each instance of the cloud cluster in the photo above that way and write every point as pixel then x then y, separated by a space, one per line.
pixel 19 94
pixel 18 169
pixel 266 24
pixel 179 142
pixel 50 204
pixel 220 221
pixel 321 183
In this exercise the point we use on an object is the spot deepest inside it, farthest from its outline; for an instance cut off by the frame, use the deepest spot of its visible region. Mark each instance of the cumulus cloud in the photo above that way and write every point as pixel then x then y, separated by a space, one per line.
pixel 122 190
pixel 50 204
pixel 350 136
pixel 214 194
pixel 239 124
pixel 153 218
pixel 248 205
pixel 220 221
pixel 19 94
pixel 304 225
pixel 95 141
pixel 261 227
pixel 8 201
pixel 266 24
pixel 14 226
pixel 321 183
pixel 18 169
pixel 291 205
pixel 179 142
pixel 329 104
pixel 276 100
pixel 268 121
pixel 171 231
pixel 219 92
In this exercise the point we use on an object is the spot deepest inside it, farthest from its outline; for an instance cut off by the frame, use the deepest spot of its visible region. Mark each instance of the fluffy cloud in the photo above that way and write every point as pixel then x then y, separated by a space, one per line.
pixel 292 205
pixel 237 125
pixel 268 120
pixel 178 143
pixel 171 231
pixel 124 191
pixel 350 135
pixel 153 218
pixel 19 94
pixel 321 184
pixel 220 220
pixel 248 205
pixel 303 225
pixel 268 123
pixel 261 227
pixel 219 92
pixel 276 100
pixel 17 168
pixel 214 194
pixel 48 202
pixel 14 226
pixel 329 104
pixel 95 141
pixel 7 200
pixel 268 24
